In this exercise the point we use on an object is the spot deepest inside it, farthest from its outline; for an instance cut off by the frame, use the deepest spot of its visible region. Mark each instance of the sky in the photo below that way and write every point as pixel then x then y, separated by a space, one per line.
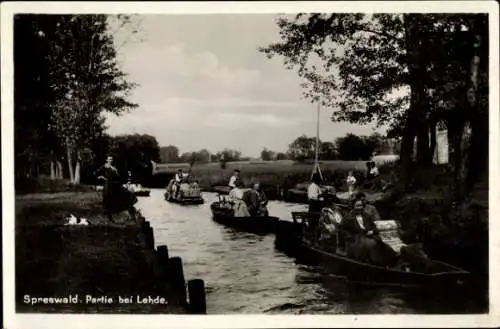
pixel 202 84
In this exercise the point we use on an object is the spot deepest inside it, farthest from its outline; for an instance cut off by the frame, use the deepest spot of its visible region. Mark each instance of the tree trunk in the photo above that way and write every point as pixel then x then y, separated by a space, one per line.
pixel 70 163
pixel 433 142
pixel 77 169
pixel 423 146
pixel 417 89
pixel 52 170
pixel 59 170
pixel 456 142
pixel 478 102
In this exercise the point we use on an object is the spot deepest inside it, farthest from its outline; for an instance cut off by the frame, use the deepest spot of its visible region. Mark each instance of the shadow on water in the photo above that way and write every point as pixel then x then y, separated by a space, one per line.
pixel 245 273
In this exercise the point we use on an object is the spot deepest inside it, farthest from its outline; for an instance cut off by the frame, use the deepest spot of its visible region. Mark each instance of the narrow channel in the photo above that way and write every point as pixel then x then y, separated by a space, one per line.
pixel 245 273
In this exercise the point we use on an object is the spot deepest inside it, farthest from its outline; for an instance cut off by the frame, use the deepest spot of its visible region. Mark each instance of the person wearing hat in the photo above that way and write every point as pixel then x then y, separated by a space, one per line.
pixel 256 200
pixel 368 208
pixel 329 221
pixel 363 242
pixel 115 198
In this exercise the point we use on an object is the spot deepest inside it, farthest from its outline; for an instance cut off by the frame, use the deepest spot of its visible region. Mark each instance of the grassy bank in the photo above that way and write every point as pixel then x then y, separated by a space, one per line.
pixel 102 259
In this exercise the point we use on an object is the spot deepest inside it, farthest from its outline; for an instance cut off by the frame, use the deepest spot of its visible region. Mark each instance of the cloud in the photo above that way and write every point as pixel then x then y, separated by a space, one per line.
pixel 172 68
pixel 203 84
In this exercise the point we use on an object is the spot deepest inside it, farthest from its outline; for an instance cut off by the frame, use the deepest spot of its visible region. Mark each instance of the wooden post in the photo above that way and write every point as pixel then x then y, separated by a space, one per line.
pixel 150 238
pixel 197 299
pixel 162 254
pixel 176 276
pixel 162 258
pixel 146 225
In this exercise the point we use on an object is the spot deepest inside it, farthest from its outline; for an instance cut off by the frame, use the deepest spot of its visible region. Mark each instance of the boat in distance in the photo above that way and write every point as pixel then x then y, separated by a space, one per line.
pixel 187 193
pixel 137 189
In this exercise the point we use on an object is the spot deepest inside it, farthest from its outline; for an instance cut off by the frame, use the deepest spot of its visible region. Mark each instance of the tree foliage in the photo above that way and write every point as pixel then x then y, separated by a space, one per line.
pixel 228 155
pixel 410 72
pixel 352 147
pixel 169 154
pixel 302 148
pixel 134 153
pixel 268 155
pixel 70 62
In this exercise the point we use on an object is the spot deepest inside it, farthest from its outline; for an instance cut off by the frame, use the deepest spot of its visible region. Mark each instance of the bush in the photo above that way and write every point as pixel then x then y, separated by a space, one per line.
pixel 44 184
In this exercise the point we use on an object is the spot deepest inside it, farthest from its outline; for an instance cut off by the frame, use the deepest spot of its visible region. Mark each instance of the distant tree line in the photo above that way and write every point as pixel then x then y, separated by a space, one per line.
pixel 171 154
pixel 348 147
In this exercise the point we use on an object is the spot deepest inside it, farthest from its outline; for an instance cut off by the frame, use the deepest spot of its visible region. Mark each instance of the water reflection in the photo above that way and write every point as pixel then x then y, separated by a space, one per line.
pixel 244 273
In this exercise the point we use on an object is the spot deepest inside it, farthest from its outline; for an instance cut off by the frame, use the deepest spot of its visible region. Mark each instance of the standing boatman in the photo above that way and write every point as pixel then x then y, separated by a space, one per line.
pixel 314 194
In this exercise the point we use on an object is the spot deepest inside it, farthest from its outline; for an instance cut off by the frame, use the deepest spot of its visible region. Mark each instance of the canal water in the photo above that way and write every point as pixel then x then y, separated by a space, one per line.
pixel 245 273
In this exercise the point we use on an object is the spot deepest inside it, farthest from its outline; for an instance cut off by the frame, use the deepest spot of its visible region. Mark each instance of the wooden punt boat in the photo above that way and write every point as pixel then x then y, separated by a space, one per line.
pixel 253 224
pixel 189 195
pixel 142 193
pixel 432 272
pixel 185 200
pixel 137 190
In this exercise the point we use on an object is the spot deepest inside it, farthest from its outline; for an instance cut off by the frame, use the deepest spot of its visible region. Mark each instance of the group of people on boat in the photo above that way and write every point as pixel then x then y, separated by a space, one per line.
pixel 360 236
pixel 180 178
pixel 351 230
pixel 246 202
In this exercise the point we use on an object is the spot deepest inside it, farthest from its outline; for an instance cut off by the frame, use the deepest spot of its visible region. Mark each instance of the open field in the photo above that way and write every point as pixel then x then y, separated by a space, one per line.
pixel 271 174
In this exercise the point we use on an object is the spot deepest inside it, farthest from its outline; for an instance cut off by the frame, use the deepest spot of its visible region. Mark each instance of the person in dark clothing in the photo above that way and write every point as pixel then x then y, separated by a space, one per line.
pixel 256 201
pixel 115 197
pixel 368 208
pixel 364 243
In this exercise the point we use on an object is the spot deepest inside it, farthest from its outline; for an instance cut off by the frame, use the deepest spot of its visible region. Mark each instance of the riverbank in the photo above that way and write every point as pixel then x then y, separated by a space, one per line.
pixel 101 263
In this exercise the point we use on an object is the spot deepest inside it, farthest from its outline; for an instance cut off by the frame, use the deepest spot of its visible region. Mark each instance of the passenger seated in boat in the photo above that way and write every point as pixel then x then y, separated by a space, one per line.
pixel 256 201
pixel 234 178
pixel 363 243
pixel 314 194
pixel 368 208
pixel 351 182
pixel 329 221
pixel 236 196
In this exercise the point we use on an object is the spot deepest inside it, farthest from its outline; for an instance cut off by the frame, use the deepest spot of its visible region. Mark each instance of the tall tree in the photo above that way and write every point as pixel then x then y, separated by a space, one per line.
pixel 352 147
pixel 378 68
pixel 169 154
pixel 228 155
pixel 267 155
pixel 87 80
pixel 134 153
pixel 34 143
pixel 327 151
pixel 302 148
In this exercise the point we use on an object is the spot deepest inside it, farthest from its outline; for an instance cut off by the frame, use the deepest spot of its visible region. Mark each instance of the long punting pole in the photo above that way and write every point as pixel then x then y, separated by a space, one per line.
pixel 316 156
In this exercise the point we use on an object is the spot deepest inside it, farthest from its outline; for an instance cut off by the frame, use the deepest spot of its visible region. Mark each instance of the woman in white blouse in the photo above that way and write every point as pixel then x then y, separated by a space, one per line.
pixel 314 194
pixel 236 196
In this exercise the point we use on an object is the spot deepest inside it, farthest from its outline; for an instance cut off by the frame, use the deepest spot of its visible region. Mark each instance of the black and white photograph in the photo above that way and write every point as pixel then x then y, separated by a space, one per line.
pixel 323 159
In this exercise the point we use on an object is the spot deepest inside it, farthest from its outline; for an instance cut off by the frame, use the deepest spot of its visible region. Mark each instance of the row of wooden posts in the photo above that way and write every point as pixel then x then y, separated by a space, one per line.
pixel 172 273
